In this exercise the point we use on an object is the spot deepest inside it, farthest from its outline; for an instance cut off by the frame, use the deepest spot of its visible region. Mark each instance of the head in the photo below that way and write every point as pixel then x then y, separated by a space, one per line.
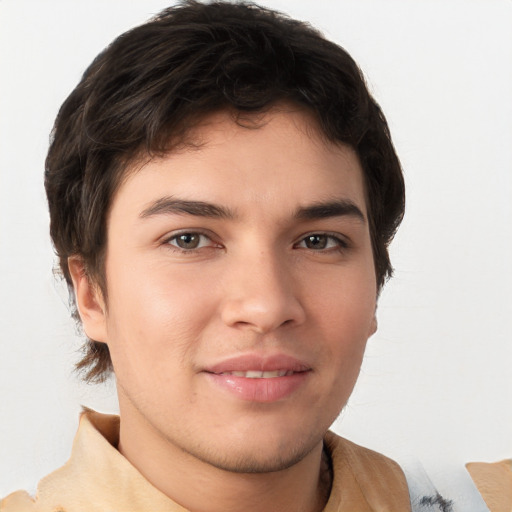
pixel 145 95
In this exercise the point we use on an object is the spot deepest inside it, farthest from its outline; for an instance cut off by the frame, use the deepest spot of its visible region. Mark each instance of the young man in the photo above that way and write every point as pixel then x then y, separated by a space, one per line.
pixel 222 192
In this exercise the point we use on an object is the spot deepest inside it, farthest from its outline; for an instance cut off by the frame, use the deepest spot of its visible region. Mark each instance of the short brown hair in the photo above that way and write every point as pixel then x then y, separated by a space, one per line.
pixel 153 83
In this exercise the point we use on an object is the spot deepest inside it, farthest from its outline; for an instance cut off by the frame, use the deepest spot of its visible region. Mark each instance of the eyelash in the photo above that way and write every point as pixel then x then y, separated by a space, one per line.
pixel 338 243
pixel 175 236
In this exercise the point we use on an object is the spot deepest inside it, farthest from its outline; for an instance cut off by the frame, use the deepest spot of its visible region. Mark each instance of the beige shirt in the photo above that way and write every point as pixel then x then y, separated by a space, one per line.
pixel 97 478
pixel 494 481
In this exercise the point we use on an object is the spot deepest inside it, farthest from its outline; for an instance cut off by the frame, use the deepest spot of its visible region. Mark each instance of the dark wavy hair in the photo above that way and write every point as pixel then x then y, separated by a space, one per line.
pixel 145 91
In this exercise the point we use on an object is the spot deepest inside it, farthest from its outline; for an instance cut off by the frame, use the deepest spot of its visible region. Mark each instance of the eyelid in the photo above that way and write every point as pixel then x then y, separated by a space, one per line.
pixel 341 240
pixel 192 231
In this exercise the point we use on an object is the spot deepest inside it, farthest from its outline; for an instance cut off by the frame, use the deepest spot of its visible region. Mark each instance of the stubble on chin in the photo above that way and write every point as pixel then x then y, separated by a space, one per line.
pixel 256 461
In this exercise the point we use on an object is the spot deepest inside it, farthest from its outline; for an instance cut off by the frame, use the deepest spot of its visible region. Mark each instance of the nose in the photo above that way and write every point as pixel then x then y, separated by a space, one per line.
pixel 261 294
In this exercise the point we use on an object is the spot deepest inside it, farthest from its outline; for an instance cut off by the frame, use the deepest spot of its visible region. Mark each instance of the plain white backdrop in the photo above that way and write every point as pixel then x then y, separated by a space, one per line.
pixel 436 382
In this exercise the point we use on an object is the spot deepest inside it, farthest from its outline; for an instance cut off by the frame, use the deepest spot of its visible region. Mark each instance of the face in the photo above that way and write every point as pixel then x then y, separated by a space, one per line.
pixel 241 291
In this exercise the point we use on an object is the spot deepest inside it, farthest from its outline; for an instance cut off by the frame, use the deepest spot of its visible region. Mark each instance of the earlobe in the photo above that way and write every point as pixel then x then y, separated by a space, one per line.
pixel 373 325
pixel 89 301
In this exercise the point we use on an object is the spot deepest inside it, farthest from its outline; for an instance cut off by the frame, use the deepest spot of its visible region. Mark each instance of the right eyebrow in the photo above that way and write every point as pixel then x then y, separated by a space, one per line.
pixel 169 206
pixel 334 208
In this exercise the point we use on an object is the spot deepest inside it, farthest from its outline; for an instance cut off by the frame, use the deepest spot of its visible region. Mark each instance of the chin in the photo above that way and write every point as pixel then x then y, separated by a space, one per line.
pixel 261 451
pixel 258 460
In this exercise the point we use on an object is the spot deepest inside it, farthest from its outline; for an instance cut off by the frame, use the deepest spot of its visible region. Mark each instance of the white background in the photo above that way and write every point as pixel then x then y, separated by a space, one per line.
pixel 436 382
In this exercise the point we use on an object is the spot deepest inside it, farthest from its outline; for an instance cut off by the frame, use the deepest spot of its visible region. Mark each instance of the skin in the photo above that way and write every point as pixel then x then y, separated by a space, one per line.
pixel 260 281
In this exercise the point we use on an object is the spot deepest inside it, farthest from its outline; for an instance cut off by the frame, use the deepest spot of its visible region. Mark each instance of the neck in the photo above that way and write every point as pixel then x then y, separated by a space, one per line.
pixel 201 487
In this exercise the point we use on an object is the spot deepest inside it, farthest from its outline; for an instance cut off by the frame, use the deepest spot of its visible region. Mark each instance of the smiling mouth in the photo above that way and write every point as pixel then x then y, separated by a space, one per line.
pixel 258 374
pixel 262 386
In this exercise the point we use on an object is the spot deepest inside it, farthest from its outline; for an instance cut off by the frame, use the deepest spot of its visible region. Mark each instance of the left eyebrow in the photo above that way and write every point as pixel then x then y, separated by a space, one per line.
pixel 170 205
pixel 326 209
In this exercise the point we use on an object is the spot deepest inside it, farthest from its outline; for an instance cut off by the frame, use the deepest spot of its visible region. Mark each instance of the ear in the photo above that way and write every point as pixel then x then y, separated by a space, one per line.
pixel 89 301
pixel 373 325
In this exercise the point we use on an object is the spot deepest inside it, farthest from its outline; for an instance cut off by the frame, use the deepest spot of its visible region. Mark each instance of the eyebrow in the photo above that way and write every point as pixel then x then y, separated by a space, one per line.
pixel 169 206
pixel 334 208
pixel 319 210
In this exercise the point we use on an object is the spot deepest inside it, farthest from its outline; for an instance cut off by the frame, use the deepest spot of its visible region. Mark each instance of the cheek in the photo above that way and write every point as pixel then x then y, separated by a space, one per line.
pixel 345 301
pixel 348 331
pixel 345 320
pixel 154 318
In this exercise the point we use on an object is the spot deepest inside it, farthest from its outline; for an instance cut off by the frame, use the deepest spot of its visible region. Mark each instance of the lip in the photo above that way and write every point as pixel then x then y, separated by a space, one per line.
pixel 263 390
pixel 264 363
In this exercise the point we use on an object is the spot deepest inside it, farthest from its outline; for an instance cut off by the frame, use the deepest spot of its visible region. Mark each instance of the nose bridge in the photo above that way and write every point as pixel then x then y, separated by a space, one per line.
pixel 260 294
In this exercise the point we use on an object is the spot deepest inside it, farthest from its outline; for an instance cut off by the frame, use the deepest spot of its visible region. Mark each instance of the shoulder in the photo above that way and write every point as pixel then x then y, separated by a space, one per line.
pixel 494 481
pixel 19 501
pixel 51 495
pixel 71 486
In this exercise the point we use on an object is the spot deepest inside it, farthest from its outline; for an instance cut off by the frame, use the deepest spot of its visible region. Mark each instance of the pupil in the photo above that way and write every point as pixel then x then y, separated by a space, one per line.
pixel 316 241
pixel 188 241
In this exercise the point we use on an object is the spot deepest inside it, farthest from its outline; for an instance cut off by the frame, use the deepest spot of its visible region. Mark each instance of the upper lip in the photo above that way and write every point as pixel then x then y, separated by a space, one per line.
pixel 260 362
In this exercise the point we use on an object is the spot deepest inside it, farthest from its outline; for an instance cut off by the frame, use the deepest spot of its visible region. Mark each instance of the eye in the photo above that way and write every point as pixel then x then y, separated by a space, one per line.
pixel 189 241
pixel 321 242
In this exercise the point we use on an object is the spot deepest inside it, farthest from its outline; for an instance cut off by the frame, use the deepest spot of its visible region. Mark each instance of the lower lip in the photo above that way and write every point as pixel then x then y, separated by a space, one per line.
pixel 259 390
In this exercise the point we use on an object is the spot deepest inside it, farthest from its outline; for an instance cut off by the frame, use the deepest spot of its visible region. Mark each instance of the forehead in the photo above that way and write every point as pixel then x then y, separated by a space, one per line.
pixel 279 158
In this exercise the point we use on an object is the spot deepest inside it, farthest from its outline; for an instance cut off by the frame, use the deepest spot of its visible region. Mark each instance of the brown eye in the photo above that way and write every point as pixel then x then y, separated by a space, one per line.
pixel 317 242
pixel 322 242
pixel 188 240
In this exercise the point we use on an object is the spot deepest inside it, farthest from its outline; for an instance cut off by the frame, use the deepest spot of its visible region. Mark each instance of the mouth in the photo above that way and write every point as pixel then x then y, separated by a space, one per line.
pixel 259 366
pixel 256 378
pixel 258 374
